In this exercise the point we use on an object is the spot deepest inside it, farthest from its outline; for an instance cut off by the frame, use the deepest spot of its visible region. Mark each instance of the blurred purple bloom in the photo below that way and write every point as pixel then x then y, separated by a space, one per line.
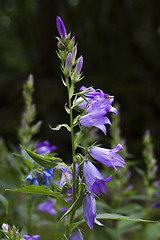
pixel 94 178
pixel 108 157
pixel 90 212
pixel 78 68
pixel 76 235
pixel 157 205
pixel 44 147
pixel 34 237
pixel 47 207
pixel 61 28
pixel 63 209
pixel 156 184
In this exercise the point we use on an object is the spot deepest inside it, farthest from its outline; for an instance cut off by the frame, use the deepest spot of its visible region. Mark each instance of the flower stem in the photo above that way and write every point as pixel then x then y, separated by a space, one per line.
pixel 72 140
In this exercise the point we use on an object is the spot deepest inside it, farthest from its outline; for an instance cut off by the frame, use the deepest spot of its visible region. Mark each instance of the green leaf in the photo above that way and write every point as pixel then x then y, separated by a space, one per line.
pixel 39 190
pixel 120 217
pixel 76 224
pixel 61 125
pixel 66 108
pixel 75 205
pixel 5 202
pixel 76 119
pixel 47 162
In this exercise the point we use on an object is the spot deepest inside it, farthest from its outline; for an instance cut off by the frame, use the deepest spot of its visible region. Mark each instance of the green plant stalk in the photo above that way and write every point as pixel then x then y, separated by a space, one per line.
pixel 73 155
pixel 72 140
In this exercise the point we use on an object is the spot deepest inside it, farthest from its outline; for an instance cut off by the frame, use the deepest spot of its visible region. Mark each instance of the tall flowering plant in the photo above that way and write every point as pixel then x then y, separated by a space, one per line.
pixel 81 181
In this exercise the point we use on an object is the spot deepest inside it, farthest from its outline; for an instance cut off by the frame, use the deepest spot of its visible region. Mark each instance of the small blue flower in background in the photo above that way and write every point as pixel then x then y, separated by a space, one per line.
pixel 34 237
pixel 108 157
pixel 47 207
pixel 90 212
pixel 44 147
pixel 61 28
pixel 47 175
pixel 94 179
pixel 32 180
pixel 76 235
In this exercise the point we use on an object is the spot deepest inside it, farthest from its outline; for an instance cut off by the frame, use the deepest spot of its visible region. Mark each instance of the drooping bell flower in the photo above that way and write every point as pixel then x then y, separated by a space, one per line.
pixel 90 212
pixel 34 237
pixel 76 235
pixel 61 28
pixel 94 179
pixel 47 207
pixel 108 157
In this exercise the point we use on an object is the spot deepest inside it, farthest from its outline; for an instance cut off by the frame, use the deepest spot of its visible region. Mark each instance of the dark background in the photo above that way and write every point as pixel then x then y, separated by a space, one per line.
pixel 120 43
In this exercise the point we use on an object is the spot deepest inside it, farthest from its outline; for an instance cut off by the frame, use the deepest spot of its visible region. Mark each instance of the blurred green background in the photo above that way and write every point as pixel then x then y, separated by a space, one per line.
pixel 120 43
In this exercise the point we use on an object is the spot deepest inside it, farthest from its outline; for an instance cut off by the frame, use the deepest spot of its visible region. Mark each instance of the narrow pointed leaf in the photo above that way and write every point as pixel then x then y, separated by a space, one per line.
pixel 120 217
pixel 39 190
pixel 47 162
pixel 74 206
pixel 5 202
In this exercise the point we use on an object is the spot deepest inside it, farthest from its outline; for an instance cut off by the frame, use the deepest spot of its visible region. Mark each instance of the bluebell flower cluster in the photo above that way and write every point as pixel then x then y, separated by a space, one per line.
pixel 95 106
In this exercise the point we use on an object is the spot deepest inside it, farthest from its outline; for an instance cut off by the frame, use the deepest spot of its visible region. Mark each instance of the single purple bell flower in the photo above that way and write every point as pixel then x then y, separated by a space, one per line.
pixel 35 181
pixel 68 64
pixel 78 68
pixel 61 28
pixel 95 119
pixel 47 207
pixel 94 179
pixel 76 235
pixel 29 177
pixel 90 212
pixel 34 237
pixel 44 147
pixel 108 157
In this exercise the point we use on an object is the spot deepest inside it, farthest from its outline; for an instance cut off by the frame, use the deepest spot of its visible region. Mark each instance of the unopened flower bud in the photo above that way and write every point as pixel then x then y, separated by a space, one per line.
pixel 61 46
pixel 61 28
pixel 30 81
pixel 68 63
pixel 74 53
pixel 78 68
pixel 5 227
pixel 71 44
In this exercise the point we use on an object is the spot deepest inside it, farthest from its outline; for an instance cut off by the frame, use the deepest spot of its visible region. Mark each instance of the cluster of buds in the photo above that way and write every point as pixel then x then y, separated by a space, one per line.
pixel 11 233
pixel 68 52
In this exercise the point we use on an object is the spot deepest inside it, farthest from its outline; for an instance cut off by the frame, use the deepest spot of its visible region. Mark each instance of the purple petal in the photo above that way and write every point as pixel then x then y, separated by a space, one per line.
pixel 76 235
pixel 61 28
pixel 89 209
